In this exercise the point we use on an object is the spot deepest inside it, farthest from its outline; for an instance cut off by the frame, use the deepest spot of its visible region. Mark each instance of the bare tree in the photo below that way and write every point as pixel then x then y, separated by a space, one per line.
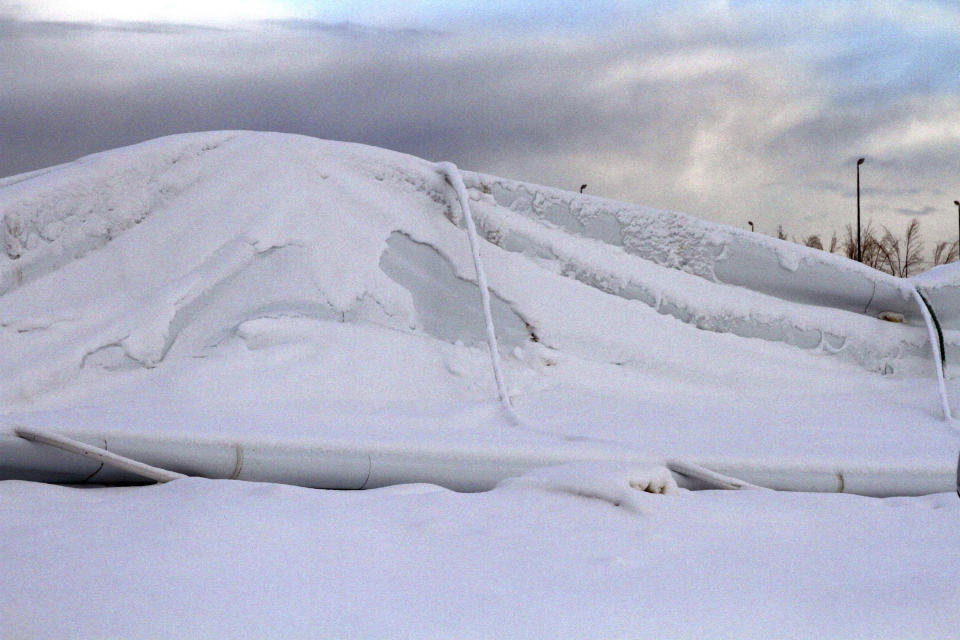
pixel 899 259
pixel 946 251
pixel 872 249
pixel 913 248
pixel 849 246
pixel 889 254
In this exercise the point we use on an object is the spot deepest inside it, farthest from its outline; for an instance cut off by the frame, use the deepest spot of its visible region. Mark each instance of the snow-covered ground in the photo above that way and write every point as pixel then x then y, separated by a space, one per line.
pixel 531 559
pixel 247 293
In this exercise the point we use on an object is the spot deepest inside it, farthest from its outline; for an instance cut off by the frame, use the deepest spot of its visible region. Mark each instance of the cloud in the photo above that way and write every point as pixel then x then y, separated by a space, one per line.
pixel 747 111
pixel 181 11
pixel 915 213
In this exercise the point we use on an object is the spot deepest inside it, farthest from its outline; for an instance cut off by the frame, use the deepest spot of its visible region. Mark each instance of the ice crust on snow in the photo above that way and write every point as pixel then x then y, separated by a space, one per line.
pixel 584 250
pixel 54 216
pixel 714 252
pixel 445 303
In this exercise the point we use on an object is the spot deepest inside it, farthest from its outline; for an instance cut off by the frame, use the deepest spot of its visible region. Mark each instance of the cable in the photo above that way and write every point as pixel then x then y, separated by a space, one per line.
pixel 452 174
pixel 936 347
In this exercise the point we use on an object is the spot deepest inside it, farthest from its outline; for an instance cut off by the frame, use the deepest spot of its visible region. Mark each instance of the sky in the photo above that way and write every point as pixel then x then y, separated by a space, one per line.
pixel 732 111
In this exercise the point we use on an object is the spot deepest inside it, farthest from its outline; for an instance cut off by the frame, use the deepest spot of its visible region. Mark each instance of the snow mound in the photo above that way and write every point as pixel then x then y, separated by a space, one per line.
pixel 284 309
pixel 328 287
pixel 117 259
pixel 619 485
pixel 198 558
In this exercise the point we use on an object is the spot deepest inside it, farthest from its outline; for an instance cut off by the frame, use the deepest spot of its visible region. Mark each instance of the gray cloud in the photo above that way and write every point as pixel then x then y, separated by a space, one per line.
pixel 915 213
pixel 733 115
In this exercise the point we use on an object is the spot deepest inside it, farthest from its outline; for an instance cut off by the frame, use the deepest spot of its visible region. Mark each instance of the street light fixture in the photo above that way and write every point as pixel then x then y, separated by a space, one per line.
pixel 957 202
pixel 749 222
pixel 859 251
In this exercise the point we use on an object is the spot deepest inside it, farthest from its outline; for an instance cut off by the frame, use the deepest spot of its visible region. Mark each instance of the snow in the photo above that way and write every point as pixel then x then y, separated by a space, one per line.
pixel 537 557
pixel 940 285
pixel 278 308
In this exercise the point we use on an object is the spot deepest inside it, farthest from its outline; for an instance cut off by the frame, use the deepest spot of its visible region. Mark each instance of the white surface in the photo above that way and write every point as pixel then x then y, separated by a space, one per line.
pixel 544 557
pixel 286 290
pixel 247 270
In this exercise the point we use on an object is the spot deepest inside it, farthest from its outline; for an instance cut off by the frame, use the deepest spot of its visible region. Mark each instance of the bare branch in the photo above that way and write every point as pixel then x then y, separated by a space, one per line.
pixel 946 251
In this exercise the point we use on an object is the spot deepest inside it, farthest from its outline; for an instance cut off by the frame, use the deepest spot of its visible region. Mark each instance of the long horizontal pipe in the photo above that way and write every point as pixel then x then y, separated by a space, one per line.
pixel 96 453
pixel 457 466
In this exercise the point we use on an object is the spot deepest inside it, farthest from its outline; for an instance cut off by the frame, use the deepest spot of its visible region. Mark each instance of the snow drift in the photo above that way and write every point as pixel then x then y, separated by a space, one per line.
pixel 370 245
pixel 240 270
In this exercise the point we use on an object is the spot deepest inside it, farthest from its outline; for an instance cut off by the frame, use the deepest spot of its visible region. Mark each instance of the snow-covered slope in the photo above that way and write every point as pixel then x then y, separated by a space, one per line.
pixel 150 242
pixel 182 285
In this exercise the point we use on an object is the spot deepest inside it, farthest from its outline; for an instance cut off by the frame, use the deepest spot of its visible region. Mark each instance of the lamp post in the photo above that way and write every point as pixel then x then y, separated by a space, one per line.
pixel 750 222
pixel 957 202
pixel 859 252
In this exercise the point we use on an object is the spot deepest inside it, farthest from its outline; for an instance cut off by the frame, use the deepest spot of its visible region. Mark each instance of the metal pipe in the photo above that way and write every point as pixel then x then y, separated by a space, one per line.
pixel 859 252
pixel 463 466
pixel 957 202
pixel 101 455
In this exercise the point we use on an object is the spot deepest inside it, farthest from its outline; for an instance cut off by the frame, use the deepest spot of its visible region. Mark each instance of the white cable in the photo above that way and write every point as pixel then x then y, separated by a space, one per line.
pixel 935 347
pixel 452 174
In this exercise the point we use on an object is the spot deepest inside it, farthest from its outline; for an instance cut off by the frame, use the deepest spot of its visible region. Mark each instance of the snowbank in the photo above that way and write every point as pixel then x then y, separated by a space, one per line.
pixel 184 283
pixel 540 557
pixel 183 239
pixel 283 309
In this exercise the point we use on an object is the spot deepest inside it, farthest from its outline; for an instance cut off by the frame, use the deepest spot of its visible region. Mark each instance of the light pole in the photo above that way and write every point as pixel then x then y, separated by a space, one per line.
pixel 859 252
pixel 749 222
pixel 957 202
